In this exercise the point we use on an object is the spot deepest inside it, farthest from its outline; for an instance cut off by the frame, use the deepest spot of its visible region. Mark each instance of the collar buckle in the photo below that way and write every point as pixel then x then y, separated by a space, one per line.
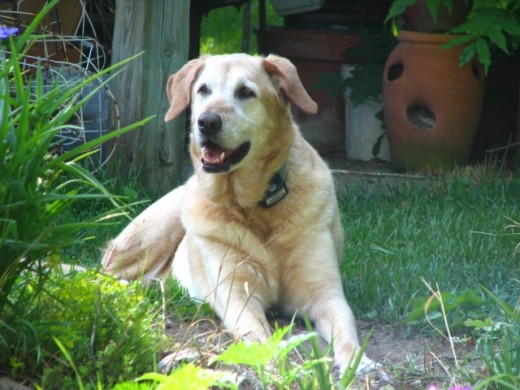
pixel 276 191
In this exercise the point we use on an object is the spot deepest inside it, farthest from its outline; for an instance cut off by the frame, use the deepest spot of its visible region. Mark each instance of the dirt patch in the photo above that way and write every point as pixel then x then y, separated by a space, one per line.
pixel 407 361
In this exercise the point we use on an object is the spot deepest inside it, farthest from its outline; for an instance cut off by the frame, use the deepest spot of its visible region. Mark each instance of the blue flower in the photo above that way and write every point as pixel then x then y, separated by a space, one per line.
pixel 6 32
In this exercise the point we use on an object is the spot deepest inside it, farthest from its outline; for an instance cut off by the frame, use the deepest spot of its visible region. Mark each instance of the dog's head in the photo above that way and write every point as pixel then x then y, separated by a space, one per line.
pixel 238 102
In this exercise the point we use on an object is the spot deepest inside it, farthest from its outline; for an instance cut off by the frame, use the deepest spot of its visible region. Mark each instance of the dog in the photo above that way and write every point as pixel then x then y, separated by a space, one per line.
pixel 257 225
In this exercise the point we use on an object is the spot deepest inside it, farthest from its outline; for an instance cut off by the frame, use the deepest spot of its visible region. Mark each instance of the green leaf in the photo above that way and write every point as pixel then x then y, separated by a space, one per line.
pixel 397 8
pixel 498 38
pixel 467 54
pixel 479 324
pixel 483 53
pixel 433 8
pixel 254 354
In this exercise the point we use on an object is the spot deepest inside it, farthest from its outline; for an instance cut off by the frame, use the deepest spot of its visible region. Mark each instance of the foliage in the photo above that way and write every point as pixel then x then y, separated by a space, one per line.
pixel 366 80
pixel 489 23
pixel 106 327
pixel 270 361
pixel 38 184
pixel 178 301
pixel 498 342
pixel 456 306
pixel 499 345
pixel 221 30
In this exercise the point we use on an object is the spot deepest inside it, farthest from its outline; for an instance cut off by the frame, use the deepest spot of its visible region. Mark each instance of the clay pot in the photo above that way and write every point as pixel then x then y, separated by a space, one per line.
pixel 431 104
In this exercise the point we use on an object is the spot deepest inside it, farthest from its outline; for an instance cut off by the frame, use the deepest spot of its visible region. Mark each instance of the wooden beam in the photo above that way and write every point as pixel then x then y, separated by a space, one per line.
pixel 160 28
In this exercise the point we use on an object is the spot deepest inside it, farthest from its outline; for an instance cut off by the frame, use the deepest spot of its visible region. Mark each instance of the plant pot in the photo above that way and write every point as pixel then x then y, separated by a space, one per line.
pixel 432 105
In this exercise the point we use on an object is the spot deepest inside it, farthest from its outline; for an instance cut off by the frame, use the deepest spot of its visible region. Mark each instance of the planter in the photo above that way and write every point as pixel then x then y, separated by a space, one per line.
pixel 362 129
pixel 432 105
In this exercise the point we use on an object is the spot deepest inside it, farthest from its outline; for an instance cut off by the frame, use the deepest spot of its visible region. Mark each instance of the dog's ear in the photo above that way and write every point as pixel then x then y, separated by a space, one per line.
pixel 179 85
pixel 289 83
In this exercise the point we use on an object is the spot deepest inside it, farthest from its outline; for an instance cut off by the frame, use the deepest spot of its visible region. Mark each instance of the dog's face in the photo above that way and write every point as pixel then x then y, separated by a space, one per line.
pixel 237 103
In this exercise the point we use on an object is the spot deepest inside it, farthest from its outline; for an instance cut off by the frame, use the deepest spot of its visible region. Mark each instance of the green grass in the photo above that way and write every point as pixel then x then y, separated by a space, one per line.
pixel 455 230
pixel 451 231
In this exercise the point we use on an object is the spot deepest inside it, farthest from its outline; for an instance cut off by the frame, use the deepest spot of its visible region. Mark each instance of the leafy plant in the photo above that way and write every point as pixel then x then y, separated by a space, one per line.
pixel 39 185
pixel 270 361
pixel 488 24
pixel 456 306
pixel 107 328
pixel 499 343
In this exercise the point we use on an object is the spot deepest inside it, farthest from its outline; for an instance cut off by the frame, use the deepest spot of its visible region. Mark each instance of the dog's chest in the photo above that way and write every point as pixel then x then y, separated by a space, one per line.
pixel 271 227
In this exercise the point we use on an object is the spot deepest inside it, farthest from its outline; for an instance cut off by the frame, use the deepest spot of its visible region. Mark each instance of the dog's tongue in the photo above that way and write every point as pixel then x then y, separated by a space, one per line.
pixel 213 154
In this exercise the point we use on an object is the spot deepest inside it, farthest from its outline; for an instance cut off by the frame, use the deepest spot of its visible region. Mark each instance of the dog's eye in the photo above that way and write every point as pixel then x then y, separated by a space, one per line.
pixel 203 90
pixel 244 93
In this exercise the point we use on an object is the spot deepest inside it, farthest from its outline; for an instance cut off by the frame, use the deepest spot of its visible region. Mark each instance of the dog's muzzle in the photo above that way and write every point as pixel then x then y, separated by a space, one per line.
pixel 215 158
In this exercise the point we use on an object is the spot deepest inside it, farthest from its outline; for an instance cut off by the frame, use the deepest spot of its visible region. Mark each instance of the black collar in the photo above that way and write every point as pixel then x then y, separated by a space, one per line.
pixel 276 190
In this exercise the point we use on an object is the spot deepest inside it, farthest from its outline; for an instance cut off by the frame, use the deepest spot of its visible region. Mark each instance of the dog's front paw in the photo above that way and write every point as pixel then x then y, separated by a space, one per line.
pixel 365 366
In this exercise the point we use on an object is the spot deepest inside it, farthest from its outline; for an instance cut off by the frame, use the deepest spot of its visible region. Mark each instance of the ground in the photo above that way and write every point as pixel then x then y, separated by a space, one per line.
pixel 409 362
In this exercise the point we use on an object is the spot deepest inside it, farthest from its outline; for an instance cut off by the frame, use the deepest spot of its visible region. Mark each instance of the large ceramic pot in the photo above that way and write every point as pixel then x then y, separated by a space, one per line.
pixel 431 104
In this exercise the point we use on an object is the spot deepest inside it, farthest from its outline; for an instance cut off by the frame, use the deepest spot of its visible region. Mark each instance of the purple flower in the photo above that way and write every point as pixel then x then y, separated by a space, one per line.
pixel 6 32
pixel 460 388
pixel 436 387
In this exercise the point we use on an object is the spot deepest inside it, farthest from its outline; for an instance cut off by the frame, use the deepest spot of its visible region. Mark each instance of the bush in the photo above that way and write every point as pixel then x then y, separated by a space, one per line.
pixel 105 326
pixel 38 184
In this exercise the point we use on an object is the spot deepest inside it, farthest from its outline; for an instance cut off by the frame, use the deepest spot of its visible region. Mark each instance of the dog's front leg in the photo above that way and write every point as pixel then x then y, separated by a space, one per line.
pixel 319 295
pixel 146 246
pixel 231 282
pixel 239 299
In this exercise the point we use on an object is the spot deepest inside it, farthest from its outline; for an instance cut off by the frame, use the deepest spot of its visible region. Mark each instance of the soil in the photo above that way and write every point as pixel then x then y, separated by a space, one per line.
pixel 405 361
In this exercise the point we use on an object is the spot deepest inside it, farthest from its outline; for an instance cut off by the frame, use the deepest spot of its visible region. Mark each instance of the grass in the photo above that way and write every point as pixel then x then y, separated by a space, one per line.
pixel 455 231
pixel 452 231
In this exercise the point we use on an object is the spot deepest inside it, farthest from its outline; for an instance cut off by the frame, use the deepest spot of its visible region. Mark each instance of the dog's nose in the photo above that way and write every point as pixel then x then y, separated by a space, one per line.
pixel 209 123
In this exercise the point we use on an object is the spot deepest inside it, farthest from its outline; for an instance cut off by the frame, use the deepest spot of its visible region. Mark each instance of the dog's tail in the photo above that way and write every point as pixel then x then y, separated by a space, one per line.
pixel 145 248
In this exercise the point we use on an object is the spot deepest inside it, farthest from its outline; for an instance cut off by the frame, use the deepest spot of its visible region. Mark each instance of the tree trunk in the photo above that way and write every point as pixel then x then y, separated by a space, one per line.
pixel 160 28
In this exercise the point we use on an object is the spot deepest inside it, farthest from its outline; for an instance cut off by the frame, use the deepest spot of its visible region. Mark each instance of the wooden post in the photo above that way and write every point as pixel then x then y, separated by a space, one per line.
pixel 160 28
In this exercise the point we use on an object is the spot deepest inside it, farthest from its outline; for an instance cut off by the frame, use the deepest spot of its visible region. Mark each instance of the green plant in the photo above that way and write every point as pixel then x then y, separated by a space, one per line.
pixel 365 83
pixel 454 308
pixel 270 361
pixel 38 185
pixel 108 329
pixel 489 24
pixel 221 29
pixel 499 344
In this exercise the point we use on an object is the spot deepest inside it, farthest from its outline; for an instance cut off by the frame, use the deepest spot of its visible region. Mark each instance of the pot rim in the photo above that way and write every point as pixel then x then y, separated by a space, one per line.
pixel 416 36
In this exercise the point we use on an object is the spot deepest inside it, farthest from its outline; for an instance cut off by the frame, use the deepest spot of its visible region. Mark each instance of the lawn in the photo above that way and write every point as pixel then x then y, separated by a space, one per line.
pixel 455 231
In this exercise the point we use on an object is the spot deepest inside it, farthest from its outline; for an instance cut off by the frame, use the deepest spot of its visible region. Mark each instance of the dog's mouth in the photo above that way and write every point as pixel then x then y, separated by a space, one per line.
pixel 216 159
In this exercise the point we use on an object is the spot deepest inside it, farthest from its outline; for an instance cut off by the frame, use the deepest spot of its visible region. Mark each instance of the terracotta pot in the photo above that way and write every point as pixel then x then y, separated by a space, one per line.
pixel 431 104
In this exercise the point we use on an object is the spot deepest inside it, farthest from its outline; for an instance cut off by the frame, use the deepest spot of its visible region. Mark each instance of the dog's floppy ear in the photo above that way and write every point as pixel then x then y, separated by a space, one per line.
pixel 179 85
pixel 289 83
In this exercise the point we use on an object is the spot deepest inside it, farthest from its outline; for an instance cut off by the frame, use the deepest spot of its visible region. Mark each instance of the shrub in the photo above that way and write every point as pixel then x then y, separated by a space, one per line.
pixel 38 185
pixel 106 327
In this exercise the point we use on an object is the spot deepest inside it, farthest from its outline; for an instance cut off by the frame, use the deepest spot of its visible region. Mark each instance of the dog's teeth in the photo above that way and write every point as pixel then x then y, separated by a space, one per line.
pixel 223 156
